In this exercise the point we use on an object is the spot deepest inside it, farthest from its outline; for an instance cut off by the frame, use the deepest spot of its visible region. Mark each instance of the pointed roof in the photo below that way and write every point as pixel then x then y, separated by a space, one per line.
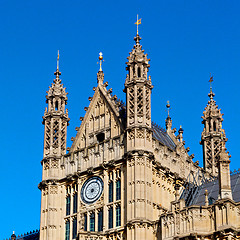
pixel 57 89
pixel 212 110
pixel 137 54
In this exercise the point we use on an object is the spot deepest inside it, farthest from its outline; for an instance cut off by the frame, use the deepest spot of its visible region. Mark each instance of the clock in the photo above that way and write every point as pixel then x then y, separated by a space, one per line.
pixel 92 190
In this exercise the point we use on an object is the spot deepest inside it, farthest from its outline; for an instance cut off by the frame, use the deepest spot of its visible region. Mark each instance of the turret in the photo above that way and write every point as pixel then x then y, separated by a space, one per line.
pixel 138 87
pixel 56 121
pixel 213 136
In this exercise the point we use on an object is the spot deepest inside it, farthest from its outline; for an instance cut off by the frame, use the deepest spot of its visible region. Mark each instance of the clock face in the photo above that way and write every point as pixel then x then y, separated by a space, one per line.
pixel 92 190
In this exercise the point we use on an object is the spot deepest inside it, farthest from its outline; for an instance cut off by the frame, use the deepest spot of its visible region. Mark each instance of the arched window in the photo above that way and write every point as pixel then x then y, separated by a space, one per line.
pixel 100 220
pixel 92 222
pixel 139 72
pixel 74 228
pixel 85 221
pixel 75 202
pixel 118 189
pixel 110 192
pixel 214 126
pixel 56 105
pixel 210 127
pixel 118 216
pixel 68 205
pixel 67 230
pixel 110 217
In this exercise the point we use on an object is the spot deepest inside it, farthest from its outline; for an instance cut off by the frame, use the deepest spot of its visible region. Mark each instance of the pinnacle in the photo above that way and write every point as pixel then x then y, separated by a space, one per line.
pixel 100 77
pixel 57 73
pixel 137 39
pixel 211 94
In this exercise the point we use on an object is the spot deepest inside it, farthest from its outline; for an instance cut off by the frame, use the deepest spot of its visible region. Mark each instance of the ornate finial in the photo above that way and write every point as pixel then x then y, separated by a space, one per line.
pixel 58 60
pixel 100 74
pixel 139 21
pixel 100 61
pixel 168 107
pixel 13 236
pixel 180 131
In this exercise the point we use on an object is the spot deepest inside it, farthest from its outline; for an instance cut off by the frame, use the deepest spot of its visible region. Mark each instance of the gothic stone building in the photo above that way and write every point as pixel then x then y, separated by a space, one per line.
pixel 124 177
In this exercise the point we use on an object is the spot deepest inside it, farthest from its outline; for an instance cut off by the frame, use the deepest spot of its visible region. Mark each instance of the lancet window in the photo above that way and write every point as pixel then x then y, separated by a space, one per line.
pixel 67 230
pixel 118 216
pixel 100 220
pixel 110 217
pixel 85 222
pixel 68 205
pixel 118 189
pixel 92 222
pixel 74 228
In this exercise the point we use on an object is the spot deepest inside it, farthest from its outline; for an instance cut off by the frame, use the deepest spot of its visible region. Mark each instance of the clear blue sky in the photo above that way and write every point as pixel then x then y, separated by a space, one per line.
pixel 185 41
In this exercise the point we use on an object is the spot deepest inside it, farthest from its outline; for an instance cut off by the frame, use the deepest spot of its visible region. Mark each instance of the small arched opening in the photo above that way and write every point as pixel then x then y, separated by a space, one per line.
pixel 139 72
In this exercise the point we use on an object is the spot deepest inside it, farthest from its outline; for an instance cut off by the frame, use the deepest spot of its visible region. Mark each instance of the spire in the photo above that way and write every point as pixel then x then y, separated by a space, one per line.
pixel 100 74
pixel 213 136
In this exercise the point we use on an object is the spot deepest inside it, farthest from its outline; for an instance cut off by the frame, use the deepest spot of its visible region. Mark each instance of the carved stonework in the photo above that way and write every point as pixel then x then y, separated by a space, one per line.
pixel 140 133
pixel 53 189
pixel 46 165
pixel 131 162
pixel 45 191
pixel 131 134
pixel 54 163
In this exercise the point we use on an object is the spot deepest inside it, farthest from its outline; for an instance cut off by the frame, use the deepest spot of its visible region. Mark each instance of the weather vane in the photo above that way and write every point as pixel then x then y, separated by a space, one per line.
pixel 58 61
pixel 100 60
pixel 211 80
pixel 139 21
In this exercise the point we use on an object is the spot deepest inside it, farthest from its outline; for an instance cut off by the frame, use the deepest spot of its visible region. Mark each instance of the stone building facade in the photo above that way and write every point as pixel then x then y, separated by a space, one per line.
pixel 124 177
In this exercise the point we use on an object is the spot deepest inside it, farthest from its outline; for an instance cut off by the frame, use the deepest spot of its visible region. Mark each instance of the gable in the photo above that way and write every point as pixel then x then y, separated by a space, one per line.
pixel 101 121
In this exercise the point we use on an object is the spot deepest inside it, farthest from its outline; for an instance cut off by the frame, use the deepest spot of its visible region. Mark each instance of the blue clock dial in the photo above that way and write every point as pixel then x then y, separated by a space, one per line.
pixel 92 190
